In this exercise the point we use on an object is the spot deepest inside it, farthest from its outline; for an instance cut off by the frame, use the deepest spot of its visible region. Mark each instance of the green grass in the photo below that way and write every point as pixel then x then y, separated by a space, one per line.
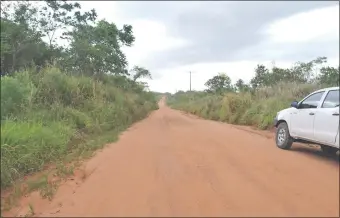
pixel 48 116
pixel 255 109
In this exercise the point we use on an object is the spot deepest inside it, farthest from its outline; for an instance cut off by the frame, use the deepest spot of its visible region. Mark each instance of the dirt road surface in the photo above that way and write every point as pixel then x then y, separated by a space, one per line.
pixel 172 164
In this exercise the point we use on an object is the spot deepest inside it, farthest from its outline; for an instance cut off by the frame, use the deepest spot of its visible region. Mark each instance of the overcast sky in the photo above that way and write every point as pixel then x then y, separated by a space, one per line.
pixel 173 38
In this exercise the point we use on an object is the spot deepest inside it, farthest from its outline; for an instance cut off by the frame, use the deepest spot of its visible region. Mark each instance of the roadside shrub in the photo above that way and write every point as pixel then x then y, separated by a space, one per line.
pixel 255 109
pixel 15 95
pixel 44 113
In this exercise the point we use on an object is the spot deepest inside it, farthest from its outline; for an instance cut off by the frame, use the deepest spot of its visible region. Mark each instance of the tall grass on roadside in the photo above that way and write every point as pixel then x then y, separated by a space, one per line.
pixel 256 109
pixel 48 115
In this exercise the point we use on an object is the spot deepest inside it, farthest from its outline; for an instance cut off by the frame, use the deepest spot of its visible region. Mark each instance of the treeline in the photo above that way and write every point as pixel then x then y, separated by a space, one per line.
pixel 256 103
pixel 65 85
pixel 313 72
pixel 74 41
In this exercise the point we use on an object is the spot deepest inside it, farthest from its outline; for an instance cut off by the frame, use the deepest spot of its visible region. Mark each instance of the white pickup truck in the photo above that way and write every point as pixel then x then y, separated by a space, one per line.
pixel 314 120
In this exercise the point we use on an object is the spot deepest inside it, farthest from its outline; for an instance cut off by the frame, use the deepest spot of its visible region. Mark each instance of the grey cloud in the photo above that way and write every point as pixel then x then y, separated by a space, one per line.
pixel 218 31
pixel 292 52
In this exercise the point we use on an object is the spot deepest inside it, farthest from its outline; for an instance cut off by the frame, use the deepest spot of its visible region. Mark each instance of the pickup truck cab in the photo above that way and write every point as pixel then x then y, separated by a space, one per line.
pixel 313 120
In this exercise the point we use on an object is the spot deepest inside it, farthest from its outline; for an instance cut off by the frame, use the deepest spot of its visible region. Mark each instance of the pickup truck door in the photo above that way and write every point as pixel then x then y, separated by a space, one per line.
pixel 326 123
pixel 302 119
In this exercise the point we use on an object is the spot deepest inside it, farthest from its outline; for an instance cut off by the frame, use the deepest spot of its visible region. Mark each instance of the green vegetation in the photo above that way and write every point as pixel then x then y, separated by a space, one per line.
pixel 159 95
pixel 47 115
pixel 257 103
pixel 60 103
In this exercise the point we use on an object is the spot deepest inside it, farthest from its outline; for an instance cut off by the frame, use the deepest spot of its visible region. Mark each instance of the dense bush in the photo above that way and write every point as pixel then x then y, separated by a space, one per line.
pixel 256 103
pixel 54 113
pixel 47 115
pixel 245 108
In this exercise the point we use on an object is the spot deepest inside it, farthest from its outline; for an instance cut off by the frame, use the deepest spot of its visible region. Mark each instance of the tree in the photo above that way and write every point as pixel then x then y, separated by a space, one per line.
pixel 57 15
pixel 23 29
pixel 19 44
pixel 241 86
pixel 140 72
pixel 329 76
pixel 19 41
pixel 301 72
pixel 261 77
pixel 306 72
pixel 30 35
pixel 97 49
pixel 219 84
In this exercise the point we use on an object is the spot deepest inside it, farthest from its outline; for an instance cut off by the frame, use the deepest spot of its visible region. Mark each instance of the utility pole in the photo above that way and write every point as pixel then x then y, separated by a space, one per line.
pixel 190 80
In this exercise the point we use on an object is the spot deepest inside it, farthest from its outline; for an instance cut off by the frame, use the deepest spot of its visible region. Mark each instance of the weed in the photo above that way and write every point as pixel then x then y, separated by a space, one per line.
pixel 31 210
pixel 257 109
pixel 64 171
pixel 49 116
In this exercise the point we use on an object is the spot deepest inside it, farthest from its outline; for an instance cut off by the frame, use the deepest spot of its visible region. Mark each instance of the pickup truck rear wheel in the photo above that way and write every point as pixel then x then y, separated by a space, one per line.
pixel 328 150
pixel 283 138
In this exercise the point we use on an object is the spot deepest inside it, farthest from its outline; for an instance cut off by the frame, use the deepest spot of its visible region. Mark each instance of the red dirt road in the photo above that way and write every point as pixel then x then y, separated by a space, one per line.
pixel 172 164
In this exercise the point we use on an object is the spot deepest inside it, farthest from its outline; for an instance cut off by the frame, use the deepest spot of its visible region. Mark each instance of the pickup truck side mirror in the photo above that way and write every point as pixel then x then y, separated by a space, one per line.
pixel 294 104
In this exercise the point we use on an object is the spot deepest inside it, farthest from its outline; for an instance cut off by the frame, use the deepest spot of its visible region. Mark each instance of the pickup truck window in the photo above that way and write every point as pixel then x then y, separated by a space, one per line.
pixel 331 100
pixel 312 101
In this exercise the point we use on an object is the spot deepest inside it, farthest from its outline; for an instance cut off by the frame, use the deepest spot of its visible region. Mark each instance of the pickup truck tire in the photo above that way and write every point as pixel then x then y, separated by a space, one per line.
pixel 283 138
pixel 328 150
